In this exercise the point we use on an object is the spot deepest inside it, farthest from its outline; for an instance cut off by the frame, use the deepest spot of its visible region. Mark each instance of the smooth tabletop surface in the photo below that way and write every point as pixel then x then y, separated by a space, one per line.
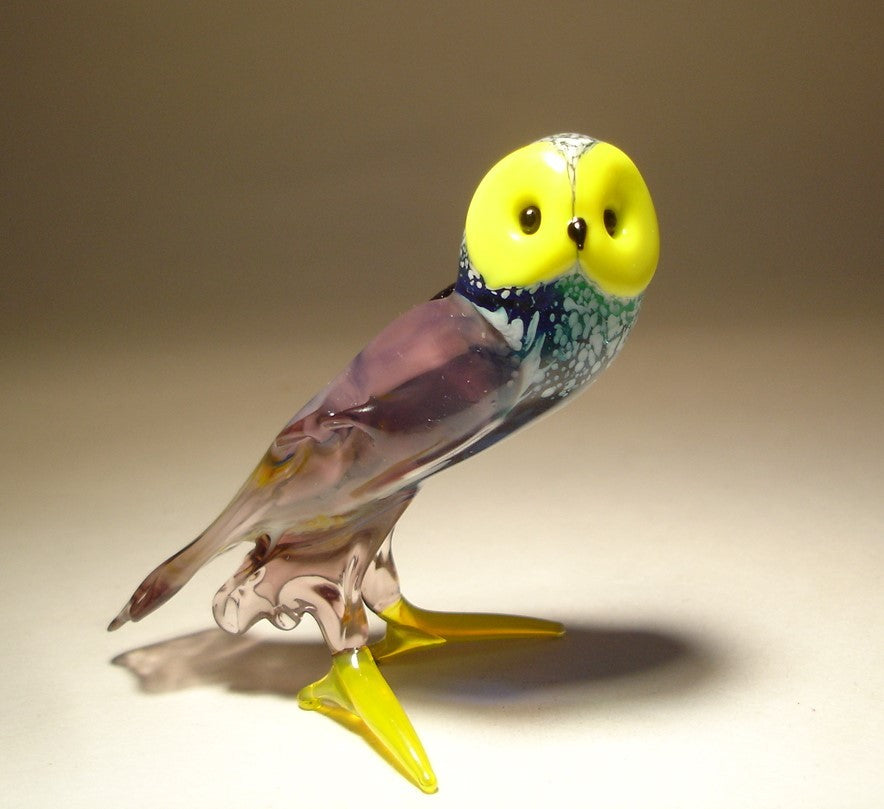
pixel 706 521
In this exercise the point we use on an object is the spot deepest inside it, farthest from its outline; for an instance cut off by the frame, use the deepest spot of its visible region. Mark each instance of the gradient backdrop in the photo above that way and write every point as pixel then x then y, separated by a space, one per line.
pixel 207 208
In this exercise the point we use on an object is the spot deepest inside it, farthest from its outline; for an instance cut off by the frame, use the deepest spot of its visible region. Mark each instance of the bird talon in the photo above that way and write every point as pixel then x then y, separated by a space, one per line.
pixel 399 639
pixel 355 694
pixel 410 628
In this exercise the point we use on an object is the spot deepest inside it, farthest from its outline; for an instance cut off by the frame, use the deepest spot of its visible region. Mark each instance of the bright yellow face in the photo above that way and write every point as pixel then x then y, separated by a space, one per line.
pixel 521 229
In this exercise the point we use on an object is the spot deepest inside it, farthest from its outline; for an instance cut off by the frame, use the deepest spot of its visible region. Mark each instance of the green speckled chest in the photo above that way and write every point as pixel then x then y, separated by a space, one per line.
pixel 568 329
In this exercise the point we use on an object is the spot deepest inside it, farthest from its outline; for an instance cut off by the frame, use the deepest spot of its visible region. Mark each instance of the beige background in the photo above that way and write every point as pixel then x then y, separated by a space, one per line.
pixel 208 208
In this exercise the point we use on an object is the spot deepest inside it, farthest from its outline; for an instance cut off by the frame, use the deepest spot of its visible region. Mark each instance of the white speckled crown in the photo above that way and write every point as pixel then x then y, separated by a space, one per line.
pixel 571 144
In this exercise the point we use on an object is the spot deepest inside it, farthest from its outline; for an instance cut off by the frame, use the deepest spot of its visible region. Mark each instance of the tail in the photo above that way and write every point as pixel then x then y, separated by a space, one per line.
pixel 169 577
pixel 162 583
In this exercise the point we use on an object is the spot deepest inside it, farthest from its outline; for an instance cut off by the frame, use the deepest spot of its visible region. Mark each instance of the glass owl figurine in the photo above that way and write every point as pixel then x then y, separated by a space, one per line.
pixel 560 242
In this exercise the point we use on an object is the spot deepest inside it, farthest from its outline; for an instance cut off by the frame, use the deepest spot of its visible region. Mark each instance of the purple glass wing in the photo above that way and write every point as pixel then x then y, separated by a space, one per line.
pixel 428 386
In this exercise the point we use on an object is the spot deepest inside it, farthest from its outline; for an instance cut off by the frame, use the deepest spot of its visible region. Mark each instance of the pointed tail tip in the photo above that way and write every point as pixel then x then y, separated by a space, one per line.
pixel 121 619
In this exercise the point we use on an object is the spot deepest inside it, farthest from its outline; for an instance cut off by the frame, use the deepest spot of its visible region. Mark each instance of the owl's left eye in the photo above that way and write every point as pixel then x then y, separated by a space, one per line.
pixel 529 219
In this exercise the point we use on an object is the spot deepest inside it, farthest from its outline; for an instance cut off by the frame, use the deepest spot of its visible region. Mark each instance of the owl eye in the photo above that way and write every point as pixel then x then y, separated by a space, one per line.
pixel 610 218
pixel 529 220
pixel 507 242
pixel 622 256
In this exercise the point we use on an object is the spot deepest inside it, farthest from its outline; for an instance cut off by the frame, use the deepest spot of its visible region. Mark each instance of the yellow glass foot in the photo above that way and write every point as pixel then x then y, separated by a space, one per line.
pixel 410 627
pixel 355 694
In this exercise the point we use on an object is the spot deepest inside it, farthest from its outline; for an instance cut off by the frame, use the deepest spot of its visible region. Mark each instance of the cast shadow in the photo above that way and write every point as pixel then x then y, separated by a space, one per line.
pixel 604 662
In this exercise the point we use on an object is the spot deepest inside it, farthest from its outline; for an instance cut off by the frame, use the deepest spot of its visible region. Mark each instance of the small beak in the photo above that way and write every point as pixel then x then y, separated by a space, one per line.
pixel 577 231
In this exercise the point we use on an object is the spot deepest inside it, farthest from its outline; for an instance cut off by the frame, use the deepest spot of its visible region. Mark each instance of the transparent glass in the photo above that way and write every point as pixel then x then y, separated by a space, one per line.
pixel 442 382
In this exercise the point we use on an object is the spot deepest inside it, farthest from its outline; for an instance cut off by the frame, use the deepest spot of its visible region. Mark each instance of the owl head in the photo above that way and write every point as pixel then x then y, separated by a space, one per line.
pixel 564 203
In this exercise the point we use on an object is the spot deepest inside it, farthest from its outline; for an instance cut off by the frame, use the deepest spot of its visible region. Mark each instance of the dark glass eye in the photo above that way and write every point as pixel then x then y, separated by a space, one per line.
pixel 529 220
pixel 610 221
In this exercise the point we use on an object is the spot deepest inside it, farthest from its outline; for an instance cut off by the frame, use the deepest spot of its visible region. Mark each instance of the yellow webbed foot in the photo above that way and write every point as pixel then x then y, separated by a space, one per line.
pixel 355 694
pixel 410 627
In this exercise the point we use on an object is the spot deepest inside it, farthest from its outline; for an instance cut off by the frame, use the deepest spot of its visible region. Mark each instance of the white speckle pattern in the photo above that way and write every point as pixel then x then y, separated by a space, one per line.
pixel 512 330
pixel 571 145
pixel 585 337
pixel 567 329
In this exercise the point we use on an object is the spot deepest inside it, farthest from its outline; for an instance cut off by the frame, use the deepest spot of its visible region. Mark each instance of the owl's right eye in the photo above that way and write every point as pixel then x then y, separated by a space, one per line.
pixel 507 243
pixel 529 220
